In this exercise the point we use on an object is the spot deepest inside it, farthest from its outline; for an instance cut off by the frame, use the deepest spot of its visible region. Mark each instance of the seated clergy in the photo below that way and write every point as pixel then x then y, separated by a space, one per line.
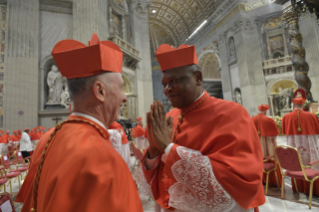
pixel 267 131
pixel 302 131
pixel 124 147
pixel 74 167
pixel 139 134
pixel 203 156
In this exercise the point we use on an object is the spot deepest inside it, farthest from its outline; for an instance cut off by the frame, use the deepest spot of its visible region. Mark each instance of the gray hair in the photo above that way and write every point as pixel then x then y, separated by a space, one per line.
pixel 79 86
pixel 195 67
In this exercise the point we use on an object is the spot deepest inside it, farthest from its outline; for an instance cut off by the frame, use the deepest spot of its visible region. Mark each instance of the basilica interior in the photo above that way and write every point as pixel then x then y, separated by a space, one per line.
pixel 245 48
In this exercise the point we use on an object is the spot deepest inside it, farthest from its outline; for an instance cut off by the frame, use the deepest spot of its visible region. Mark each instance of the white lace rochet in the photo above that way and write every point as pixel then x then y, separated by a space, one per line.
pixel 307 146
pixel 197 189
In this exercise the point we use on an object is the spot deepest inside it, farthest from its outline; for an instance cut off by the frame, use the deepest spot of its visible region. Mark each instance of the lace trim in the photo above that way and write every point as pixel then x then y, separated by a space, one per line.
pixel 197 189
pixel 307 146
pixel 143 187
pixel 115 139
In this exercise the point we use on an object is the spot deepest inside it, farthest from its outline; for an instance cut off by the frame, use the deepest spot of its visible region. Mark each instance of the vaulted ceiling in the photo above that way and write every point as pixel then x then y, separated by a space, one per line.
pixel 173 21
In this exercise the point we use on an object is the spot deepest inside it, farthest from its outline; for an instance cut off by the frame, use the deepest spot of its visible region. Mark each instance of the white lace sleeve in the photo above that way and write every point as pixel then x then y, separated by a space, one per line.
pixel 197 188
pixel 115 139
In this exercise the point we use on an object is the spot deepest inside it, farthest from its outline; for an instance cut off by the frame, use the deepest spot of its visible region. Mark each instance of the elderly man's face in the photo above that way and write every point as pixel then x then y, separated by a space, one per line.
pixel 181 86
pixel 116 97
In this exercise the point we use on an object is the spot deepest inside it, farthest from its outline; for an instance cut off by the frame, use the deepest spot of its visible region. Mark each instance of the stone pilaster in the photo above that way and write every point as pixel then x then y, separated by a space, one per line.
pixel 249 59
pixel 21 65
pixel 225 74
pixel 138 11
pixel 90 16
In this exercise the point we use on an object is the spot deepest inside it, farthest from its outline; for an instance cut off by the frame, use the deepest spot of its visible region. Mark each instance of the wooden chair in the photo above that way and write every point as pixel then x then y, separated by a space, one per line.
pixel 3 179
pixel 289 158
pixel 268 168
pixel 10 174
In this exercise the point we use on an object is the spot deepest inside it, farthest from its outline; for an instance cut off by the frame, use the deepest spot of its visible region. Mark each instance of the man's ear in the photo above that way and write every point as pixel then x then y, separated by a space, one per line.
pixel 99 91
pixel 198 77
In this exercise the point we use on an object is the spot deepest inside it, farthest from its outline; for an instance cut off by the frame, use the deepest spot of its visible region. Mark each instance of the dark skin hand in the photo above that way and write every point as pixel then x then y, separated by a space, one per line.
pixel 160 129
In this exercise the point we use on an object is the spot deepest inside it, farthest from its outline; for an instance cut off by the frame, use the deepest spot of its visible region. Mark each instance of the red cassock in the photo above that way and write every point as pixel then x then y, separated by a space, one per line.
pixel 13 138
pixel 137 131
pixel 81 172
pixel 4 139
pixel 215 145
pixel 305 142
pixel 19 136
pixel 268 131
pixel 117 126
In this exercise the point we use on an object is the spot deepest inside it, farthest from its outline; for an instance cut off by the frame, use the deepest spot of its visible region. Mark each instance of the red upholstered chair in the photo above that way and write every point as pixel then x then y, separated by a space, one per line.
pixel 288 158
pixel 10 151
pixel 270 167
pixel 8 173
pixel 138 153
pixel 6 202
pixel 3 179
pixel 21 161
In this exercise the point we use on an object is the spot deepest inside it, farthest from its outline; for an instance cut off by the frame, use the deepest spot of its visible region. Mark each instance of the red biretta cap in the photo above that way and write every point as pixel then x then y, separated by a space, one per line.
pixel 263 107
pixel 76 60
pixel 169 57
pixel 299 100
pixel 301 92
pixel 139 119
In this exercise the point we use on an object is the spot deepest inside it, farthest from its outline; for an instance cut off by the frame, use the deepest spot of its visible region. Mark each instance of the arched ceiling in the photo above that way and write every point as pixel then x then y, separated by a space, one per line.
pixel 175 20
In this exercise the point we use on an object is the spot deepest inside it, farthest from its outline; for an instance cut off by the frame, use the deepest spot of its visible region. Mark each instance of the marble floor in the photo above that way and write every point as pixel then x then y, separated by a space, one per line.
pixel 292 202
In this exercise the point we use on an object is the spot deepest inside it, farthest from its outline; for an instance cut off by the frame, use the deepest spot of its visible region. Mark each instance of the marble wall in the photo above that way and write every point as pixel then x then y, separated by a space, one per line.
pixel 21 62
pixel 244 25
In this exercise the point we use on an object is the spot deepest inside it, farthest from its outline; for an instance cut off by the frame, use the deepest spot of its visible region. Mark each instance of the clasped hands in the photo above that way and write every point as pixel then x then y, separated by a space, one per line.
pixel 159 129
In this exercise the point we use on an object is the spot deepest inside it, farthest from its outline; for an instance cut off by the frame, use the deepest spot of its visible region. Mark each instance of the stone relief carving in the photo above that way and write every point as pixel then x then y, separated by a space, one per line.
pixel 285 97
pixel 232 49
pixel 237 96
pixel 65 96
pixel 115 25
pixel 54 82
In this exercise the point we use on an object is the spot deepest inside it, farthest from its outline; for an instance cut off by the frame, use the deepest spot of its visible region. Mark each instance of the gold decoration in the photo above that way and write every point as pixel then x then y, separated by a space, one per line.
pixel 283 84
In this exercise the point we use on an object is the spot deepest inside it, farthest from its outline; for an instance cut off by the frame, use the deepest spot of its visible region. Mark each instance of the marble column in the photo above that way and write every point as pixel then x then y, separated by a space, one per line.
pixel 250 68
pixel 90 16
pixel 140 39
pixel 20 107
pixel 225 72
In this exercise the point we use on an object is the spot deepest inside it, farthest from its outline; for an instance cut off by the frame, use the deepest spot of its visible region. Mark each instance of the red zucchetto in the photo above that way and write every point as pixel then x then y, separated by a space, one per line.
pixel 169 57
pixel 76 60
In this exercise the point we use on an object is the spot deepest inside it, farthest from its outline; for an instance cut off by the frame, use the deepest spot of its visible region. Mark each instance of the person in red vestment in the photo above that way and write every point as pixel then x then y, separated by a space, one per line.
pixel 19 134
pixel 203 155
pixel 302 131
pixel 138 133
pixel 124 148
pixel 267 130
pixel 5 138
pixel 14 137
pixel 78 169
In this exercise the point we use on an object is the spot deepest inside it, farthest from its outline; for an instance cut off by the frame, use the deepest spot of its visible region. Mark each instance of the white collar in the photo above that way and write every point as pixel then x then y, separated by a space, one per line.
pixel 200 96
pixel 89 117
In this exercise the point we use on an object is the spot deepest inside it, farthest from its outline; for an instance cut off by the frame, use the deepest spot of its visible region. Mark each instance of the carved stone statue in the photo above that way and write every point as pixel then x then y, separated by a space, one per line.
pixel 238 96
pixel 65 96
pixel 232 49
pixel 285 97
pixel 54 81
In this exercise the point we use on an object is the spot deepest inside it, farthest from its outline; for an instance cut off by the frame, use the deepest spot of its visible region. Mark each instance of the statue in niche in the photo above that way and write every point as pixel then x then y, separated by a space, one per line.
pixel 54 81
pixel 65 96
pixel 237 96
pixel 232 48
pixel 115 25
pixel 285 97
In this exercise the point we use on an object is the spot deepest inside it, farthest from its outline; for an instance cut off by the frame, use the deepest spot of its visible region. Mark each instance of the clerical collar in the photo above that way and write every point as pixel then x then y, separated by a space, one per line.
pixel 89 117
pixel 200 96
